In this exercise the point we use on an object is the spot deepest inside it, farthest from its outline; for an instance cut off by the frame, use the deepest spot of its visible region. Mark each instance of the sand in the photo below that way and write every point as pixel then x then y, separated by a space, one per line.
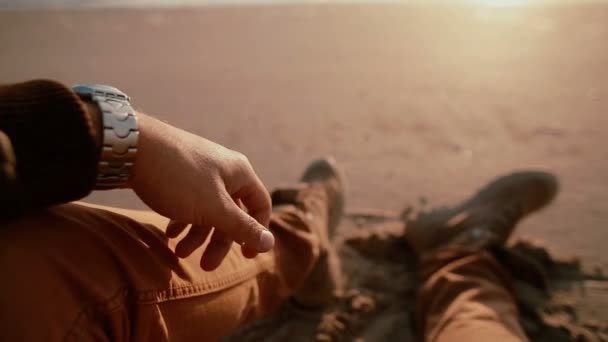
pixel 420 104
pixel 379 299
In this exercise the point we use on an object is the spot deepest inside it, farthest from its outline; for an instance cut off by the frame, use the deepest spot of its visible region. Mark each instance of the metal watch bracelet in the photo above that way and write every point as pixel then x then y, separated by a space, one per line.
pixel 120 135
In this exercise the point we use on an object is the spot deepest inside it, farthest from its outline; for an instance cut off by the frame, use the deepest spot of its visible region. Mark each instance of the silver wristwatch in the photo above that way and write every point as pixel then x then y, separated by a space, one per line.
pixel 120 134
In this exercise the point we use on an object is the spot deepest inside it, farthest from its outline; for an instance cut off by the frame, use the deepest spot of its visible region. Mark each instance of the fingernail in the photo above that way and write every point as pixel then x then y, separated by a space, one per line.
pixel 266 241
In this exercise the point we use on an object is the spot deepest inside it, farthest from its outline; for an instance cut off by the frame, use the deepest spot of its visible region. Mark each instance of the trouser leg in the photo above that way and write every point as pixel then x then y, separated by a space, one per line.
pixel 467 298
pixel 78 273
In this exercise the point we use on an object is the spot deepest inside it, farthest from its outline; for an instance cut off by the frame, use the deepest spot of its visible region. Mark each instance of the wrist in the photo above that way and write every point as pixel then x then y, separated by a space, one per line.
pixel 151 147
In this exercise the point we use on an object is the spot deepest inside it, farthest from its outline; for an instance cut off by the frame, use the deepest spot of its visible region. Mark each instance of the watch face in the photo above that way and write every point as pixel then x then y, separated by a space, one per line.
pixel 99 90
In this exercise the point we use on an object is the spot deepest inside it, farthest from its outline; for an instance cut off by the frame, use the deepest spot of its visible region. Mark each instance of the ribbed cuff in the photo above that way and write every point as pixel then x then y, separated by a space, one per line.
pixel 54 142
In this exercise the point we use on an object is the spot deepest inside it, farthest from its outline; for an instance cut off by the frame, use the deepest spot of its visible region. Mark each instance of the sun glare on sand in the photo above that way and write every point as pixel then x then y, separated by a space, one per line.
pixel 503 2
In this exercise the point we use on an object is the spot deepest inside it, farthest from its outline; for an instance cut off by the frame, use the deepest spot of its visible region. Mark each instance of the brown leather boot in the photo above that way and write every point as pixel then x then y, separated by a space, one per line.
pixel 485 220
pixel 320 195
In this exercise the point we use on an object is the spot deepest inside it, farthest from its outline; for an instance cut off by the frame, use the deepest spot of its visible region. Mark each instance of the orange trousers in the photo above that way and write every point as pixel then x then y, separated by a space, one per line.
pixel 467 297
pixel 77 273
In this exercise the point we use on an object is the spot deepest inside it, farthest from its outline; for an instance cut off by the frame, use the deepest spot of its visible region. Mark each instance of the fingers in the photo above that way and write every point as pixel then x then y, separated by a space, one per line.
pixel 240 226
pixel 174 228
pixel 194 239
pixel 256 199
pixel 248 252
pixel 216 251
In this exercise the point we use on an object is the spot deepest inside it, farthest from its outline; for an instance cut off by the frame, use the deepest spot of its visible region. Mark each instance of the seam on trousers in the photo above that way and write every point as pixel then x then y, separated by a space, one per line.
pixel 150 297
pixel 180 292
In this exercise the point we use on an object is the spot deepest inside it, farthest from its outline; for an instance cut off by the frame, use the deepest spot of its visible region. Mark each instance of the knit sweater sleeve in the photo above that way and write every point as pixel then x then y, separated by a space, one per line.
pixel 48 147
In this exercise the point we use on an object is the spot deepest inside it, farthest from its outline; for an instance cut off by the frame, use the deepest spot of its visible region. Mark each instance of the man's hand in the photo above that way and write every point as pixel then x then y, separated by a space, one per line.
pixel 196 182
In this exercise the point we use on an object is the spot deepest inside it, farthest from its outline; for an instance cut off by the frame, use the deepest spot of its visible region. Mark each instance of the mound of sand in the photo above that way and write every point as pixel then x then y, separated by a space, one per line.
pixel 380 296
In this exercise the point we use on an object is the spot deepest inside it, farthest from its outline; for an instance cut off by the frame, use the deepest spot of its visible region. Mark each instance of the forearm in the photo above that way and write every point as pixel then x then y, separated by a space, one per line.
pixel 56 141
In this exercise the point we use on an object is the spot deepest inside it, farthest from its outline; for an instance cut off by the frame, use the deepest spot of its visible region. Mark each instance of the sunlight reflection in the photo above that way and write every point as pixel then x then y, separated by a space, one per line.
pixel 503 2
